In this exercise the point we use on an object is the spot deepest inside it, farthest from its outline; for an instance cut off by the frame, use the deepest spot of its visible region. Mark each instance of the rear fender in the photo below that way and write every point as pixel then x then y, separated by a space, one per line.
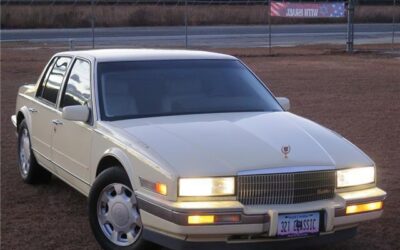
pixel 27 116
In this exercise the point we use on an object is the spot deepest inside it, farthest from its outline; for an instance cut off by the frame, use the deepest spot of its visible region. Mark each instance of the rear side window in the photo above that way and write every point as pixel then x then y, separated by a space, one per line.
pixel 77 91
pixel 51 85
pixel 44 78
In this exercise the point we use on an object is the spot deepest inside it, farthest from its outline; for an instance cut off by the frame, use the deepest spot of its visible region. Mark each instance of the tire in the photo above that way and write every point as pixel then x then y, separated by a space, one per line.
pixel 113 213
pixel 30 171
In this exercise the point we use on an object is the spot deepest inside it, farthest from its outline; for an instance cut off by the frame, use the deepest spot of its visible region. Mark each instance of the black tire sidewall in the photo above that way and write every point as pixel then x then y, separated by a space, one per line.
pixel 28 177
pixel 107 177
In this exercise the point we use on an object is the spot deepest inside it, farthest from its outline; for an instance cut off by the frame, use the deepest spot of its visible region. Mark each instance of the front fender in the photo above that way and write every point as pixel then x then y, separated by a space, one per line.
pixel 136 165
pixel 121 156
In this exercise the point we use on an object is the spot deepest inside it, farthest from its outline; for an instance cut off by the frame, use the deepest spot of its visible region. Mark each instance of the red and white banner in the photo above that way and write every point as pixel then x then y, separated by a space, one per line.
pixel 308 10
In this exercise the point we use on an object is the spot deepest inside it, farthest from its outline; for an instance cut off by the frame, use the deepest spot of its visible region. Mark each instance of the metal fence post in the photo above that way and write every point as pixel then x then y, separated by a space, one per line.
pixel 186 24
pixel 71 44
pixel 394 23
pixel 350 27
pixel 269 27
pixel 92 21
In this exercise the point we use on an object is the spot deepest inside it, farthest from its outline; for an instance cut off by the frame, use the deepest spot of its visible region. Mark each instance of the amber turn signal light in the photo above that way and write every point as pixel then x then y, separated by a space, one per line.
pixel 161 188
pixel 361 208
pixel 213 219
pixel 201 219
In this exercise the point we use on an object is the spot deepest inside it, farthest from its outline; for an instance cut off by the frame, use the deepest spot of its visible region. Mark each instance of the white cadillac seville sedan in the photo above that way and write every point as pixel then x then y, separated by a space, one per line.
pixel 189 149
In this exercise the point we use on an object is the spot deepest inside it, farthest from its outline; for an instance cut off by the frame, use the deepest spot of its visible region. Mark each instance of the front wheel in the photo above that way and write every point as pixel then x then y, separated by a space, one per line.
pixel 113 212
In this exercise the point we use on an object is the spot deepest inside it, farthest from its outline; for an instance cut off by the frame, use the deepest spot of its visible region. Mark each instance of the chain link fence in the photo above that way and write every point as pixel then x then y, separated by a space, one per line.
pixel 369 2
pixel 190 23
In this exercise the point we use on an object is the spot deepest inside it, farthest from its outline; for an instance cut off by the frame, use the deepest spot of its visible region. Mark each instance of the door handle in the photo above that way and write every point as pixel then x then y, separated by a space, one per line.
pixel 32 110
pixel 57 122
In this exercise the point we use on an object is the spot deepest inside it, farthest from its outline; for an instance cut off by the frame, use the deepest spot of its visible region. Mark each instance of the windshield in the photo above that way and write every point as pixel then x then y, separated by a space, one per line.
pixel 160 88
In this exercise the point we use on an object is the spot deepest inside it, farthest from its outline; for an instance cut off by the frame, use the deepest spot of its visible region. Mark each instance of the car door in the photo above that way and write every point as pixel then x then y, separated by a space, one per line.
pixel 43 109
pixel 72 139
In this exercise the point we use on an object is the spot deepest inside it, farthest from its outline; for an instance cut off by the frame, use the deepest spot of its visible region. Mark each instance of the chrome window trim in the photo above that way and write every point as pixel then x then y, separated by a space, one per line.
pixel 283 170
pixel 95 92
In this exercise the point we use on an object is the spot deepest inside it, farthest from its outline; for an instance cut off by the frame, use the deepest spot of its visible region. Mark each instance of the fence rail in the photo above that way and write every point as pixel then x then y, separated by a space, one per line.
pixel 233 2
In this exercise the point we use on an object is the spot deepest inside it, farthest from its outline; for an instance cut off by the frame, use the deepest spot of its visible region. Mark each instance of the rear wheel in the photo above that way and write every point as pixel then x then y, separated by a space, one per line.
pixel 113 212
pixel 31 172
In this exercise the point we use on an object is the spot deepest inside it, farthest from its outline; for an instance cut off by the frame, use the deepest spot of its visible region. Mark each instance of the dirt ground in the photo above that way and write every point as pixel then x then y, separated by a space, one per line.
pixel 357 96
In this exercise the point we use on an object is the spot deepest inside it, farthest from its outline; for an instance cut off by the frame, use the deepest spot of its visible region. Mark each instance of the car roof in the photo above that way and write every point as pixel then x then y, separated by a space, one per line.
pixel 112 55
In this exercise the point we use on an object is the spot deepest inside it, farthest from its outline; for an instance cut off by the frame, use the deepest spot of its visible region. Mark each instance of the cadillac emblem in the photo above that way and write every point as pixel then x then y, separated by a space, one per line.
pixel 285 150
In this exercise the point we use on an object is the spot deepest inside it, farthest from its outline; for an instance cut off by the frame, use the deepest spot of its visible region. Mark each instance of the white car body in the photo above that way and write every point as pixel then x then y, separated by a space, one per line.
pixel 164 149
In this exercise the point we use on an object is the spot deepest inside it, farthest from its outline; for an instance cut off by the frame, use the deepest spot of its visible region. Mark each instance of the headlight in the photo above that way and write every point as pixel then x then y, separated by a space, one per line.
pixel 355 176
pixel 207 186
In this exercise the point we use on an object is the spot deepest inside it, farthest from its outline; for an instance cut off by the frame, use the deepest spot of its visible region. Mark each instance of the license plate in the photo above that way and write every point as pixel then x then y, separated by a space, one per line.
pixel 298 225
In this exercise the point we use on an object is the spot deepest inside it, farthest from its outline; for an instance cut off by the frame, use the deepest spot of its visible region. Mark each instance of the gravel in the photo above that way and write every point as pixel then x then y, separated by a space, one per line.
pixel 357 96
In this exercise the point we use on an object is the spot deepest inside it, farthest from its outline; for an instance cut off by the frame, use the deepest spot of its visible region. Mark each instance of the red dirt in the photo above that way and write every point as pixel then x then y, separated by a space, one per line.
pixel 357 96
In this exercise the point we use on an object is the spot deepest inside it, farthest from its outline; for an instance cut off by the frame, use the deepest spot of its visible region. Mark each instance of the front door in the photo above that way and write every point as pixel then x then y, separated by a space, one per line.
pixel 71 139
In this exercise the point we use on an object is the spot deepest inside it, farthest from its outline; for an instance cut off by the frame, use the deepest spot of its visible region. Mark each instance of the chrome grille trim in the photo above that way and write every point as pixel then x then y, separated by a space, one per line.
pixel 286 188
pixel 286 170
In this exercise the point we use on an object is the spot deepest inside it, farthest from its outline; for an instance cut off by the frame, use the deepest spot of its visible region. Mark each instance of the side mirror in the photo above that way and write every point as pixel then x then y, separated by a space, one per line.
pixel 284 102
pixel 76 113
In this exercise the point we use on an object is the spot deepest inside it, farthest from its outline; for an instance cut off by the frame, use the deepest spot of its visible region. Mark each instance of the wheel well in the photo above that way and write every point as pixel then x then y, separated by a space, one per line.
pixel 108 162
pixel 20 117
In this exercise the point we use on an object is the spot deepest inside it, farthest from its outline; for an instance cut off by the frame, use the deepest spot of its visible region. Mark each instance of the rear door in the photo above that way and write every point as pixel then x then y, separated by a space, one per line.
pixel 71 139
pixel 44 111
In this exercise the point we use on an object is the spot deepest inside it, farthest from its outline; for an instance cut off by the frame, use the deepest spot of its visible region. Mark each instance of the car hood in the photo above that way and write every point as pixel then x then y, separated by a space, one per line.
pixel 228 143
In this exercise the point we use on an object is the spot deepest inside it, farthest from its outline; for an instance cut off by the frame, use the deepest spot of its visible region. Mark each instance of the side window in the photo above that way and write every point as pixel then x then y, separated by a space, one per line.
pixel 77 91
pixel 44 77
pixel 52 84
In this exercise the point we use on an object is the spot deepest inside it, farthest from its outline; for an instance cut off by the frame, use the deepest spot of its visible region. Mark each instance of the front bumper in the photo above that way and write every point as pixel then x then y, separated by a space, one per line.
pixel 258 224
pixel 14 120
pixel 256 243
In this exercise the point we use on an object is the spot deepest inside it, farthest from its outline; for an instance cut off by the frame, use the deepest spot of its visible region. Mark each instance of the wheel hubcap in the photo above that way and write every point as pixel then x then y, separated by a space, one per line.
pixel 24 152
pixel 118 214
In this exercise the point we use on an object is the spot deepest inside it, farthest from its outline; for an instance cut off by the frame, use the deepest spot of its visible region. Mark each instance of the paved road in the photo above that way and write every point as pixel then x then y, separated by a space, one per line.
pixel 210 36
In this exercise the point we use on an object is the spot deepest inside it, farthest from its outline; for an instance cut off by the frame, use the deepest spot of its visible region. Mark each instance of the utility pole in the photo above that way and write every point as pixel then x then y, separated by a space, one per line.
pixel 350 27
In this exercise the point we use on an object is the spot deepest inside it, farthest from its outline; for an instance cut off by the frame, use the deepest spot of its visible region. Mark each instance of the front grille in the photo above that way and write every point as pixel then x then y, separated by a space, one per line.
pixel 285 188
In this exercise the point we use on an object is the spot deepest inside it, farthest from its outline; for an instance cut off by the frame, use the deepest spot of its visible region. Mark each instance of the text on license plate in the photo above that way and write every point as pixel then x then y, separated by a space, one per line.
pixel 297 225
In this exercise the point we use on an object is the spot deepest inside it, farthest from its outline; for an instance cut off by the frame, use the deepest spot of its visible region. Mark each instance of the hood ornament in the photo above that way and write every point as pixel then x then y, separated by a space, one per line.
pixel 285 150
